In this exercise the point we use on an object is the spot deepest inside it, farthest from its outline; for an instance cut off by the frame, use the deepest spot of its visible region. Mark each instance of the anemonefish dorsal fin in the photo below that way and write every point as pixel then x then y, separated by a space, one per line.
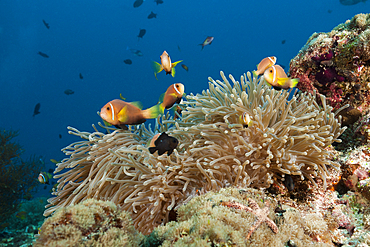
pixel 161 98
pixel 138 104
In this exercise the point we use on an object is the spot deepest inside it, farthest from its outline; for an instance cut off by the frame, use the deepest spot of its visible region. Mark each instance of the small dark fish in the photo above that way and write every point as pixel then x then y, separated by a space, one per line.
pixel 137 3
pixel 51 170
pixel 45 187
pixel 152 15
pixel 36 110
pixel 178 48
pixel 127 61
pixel 283 41
pixel 60 136
pixel 207 41
pixel 69 91
pixel 141 33
pixel 43 54
pixel 330 11
pixel 185 67
pixel 46 24
pixel 158 1
pixel 81 77
pixel 351 2
pixel 163 143
pixel 289 183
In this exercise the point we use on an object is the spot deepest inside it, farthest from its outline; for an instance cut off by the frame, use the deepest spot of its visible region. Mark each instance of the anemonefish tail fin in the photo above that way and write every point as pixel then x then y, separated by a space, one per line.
pixel 294 82
pixel 152 112
pixel 138 104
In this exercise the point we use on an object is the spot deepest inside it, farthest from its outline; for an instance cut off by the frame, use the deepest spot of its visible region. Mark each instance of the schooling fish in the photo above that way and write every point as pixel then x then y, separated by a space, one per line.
pixel 46 24
pixel 163 143
pixel 81 77
pixel 158 1
pixel 43 54
pixel 207 41
pixel 44 177
pixel 152 15
pixel 275 76
pixel 137 3
pixel 172 96
pixel 245 120
pixel 120 113
pixel 141 33
pixel 36 110
pixel 165 65
pixel 263 65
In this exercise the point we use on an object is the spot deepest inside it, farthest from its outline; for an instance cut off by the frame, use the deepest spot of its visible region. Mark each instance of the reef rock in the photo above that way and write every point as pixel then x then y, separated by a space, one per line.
pixel 337 64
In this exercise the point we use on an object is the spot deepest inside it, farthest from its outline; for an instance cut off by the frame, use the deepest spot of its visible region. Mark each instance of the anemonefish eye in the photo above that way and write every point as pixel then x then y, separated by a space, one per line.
pixel 108 108
pixel 270 70
pixel 177 85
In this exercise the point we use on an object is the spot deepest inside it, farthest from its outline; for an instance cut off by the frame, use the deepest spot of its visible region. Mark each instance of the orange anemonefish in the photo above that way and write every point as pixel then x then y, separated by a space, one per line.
pixel 245 120
pixel 264 64
pixel 207 41
pixel 44 177
pixel 163 143
pixel 275 76
pixel 172 96
pixel 120 113
pixel 165 65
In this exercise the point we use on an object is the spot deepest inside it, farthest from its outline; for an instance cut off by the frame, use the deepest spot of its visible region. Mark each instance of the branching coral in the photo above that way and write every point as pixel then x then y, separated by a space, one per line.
pixel 215 151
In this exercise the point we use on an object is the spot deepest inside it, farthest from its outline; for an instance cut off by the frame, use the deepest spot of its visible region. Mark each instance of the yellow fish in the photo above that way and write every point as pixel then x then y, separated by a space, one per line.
pixel 263 65
pixel 275 76
pixel 165 65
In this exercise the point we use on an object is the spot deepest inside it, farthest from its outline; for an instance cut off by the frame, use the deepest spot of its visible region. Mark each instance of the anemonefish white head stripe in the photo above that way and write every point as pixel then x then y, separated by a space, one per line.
pixel 177 91
pixel 112 109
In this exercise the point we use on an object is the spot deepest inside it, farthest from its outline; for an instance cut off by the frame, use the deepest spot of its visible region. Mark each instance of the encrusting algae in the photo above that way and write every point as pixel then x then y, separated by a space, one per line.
pixel 287 137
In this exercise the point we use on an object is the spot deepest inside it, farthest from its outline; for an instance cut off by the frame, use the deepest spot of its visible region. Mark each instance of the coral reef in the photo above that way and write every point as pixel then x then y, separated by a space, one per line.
pixel 15 185
pixel 204 221
pixel 287 137
pixel 337 64
pixel 89 223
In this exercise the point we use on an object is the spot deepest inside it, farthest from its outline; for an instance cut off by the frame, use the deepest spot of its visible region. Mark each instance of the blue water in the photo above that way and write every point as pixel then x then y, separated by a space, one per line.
pixel 90 37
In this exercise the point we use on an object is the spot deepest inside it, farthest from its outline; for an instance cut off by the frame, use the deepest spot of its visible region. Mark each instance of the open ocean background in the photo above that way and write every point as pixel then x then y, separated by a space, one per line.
pixel 91 37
